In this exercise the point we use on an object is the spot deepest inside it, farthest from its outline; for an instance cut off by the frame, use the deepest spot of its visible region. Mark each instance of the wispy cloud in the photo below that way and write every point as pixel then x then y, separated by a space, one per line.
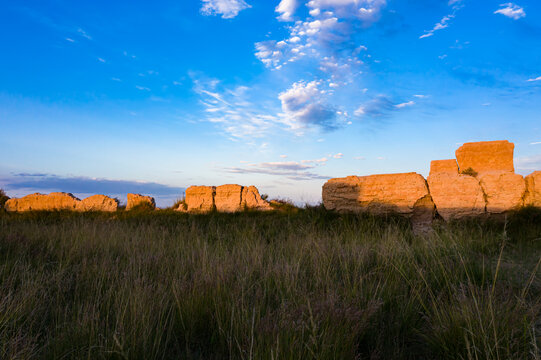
pixel 534 79
pixel 380 106
pixel 528 163
pixel 511 10
pixel 70 40
pixel 405 104
pixel 84 34
pixel 444 23
pixel 292 170
pixel 535 143
pixel 226 8
pixel 102 60
pixel 142 88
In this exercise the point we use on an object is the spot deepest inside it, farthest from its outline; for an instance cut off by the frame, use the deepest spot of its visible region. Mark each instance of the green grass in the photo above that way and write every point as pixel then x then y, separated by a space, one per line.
pixel 303 284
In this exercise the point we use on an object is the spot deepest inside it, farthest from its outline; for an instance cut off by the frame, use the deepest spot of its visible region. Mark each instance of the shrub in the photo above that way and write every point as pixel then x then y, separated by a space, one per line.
pixel 469 171
pixel 3 198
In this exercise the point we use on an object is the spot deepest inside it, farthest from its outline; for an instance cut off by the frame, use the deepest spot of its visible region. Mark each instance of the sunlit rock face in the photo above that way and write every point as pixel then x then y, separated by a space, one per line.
pixel 98 203
pixel 224 198
pixel 378 194
pixel 449 166
pixel 252 200
pixel 486 156
pixel 533 189
pixel 456 196
pixel 52 201
pixel 504 191
pixel 200 198
pixel 228 198
pixel 137 199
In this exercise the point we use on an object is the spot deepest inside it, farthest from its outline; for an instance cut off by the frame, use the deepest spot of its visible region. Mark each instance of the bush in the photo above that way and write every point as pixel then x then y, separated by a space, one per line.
pixel 3 198
pixel 469 171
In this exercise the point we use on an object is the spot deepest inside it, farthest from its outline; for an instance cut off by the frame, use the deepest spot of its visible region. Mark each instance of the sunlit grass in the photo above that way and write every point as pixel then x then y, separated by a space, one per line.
pixel 301 284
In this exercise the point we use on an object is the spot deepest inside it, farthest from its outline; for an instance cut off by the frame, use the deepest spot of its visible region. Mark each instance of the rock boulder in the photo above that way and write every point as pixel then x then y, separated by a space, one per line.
pixel 443 166
pixel 533 189
pixel 378 194
pixel 200 198
pixel 456 196
pixel 98 203
pixel 137 199
pixel 503 191
pixel 486 156
pixel 252 200
pixel 228 198
pixel 50 202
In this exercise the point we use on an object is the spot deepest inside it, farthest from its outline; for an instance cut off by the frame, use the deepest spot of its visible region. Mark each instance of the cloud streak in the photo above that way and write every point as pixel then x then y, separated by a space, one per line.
pixel 228 9
pixel 511 10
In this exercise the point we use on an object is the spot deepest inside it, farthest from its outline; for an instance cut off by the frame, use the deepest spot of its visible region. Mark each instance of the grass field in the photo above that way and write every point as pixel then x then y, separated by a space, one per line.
pixel 303 284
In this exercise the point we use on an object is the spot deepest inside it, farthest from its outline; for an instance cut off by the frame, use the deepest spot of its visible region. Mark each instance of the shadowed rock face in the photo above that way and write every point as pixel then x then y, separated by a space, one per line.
pixel 225 198
pixel 98 203
pixel 52 201
pixel 486 156
pixel 378 194
pixel 137 199
pixel 533 189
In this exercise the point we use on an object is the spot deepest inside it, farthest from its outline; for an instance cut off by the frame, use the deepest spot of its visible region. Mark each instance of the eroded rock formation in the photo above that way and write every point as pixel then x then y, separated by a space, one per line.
pixel 533 189
pixel 378 194
pixel 61 201
pixel 224 198
pixel 98 203
pixel 138 200
pixel 37 201
pixel 486 156
pixel 480 181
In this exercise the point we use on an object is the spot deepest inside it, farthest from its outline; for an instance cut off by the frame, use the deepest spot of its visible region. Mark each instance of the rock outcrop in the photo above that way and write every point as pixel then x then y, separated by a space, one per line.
pixel 503 191
pixel 37 201
pixel 228 198
pixel 252 200
pixel 200 198
pixel 224 198
pixel 456 196
pixel 378 194
pixel 481 181
pixel 486 156
pixel 533 189
pixel 443 167
pixel 140 200
pixel 98 203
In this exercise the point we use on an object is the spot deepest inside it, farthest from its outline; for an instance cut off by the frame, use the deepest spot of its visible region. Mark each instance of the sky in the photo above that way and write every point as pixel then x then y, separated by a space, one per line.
pixel 152 97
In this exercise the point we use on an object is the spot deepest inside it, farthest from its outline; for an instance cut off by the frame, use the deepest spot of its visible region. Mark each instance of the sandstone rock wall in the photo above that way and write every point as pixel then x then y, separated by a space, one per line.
pixel 98 203
pixel 61 201
pixel 486 156
pixel 379 194
pixel 481 181
pixel 224 198
pixel 138 199
pixel 533 189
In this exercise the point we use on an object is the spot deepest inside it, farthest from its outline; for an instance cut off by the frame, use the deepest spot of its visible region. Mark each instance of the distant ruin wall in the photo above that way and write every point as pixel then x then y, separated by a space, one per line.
pixel 61 201
pixel 481 181
pixel 224 198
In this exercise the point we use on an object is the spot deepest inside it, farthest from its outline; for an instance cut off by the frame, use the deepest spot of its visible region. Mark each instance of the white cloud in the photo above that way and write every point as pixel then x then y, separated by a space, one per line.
pixel 101 60
pixel 359 158
pixel 403 105
pixel 338 156
pixel 283 156
pixel 439 26
pixel 535 79
pixel 528 163
pixel 293 170
pixel 286 8
pixel 142 88
pixel 302 106
pixel 535 143
pixel 366 10
pixel 511 10
pixel 226 8
pixel 421 96
pixel 70 40
pixel 84 34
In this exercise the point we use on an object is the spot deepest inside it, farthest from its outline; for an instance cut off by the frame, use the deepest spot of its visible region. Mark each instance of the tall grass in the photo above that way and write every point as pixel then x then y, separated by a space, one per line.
pixel 302 285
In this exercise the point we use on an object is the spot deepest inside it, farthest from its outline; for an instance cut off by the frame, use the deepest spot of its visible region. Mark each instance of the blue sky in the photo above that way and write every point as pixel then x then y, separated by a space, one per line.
pixel 131 96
